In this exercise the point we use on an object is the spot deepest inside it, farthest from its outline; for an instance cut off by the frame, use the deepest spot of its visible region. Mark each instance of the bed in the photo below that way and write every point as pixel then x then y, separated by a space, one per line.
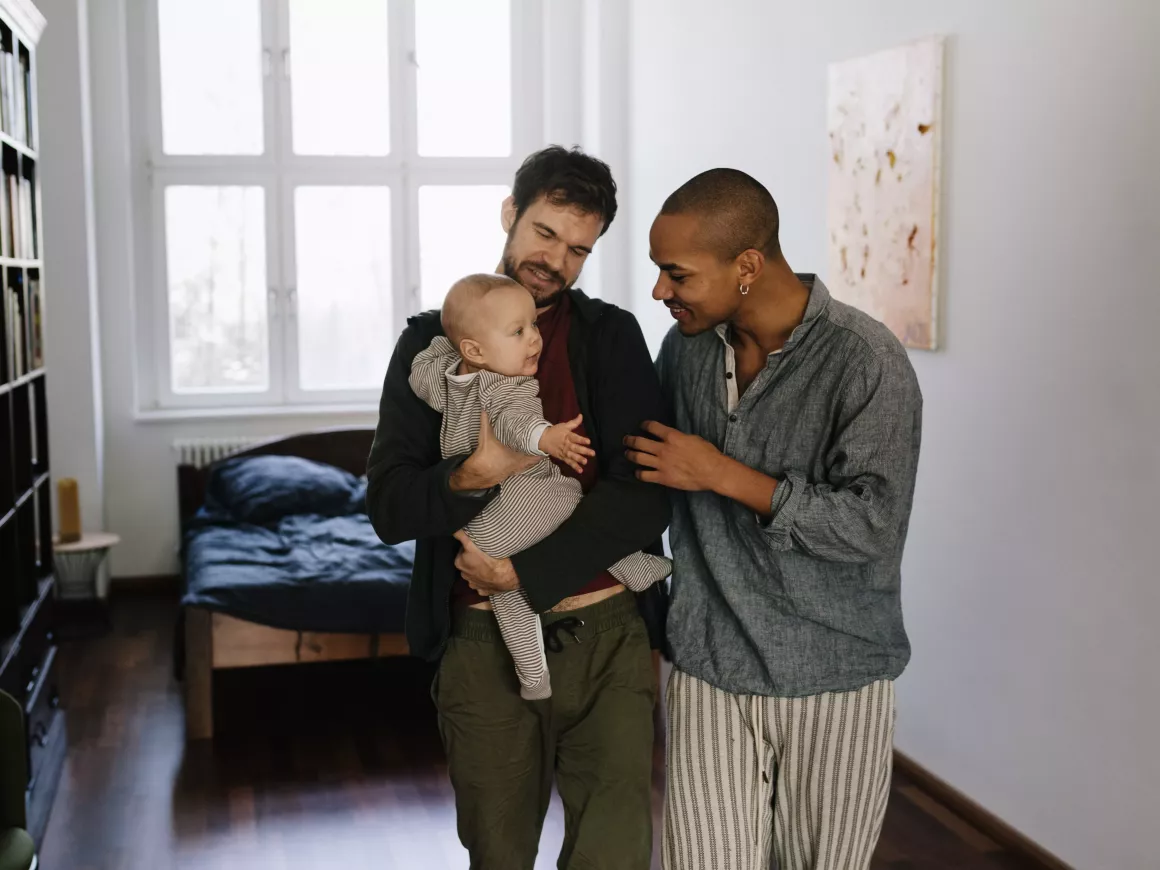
pixel 280 564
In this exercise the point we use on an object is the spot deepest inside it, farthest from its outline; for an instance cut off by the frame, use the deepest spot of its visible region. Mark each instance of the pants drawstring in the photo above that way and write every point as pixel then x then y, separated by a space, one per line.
pixel 552 631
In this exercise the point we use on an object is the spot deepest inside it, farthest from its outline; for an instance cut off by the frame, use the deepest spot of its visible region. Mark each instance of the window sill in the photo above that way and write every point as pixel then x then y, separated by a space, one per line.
pixel 170 415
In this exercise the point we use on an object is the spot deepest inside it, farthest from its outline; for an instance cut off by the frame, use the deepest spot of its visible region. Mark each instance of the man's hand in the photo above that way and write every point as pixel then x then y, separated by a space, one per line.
pixel 676 460
pixel 562 442
pixel 491 464
pixel 485 575
pixel 681 461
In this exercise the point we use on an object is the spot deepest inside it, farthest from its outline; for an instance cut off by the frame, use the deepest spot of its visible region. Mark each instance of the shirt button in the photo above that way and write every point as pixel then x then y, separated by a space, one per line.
pixel 728 376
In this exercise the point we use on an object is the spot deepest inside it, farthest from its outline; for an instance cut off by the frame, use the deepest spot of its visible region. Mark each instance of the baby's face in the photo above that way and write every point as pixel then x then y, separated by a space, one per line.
pixel 505 328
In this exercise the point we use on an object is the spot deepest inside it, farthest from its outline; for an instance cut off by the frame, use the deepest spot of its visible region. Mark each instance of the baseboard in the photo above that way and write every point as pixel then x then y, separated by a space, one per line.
pixel 981 818
pixel 148 583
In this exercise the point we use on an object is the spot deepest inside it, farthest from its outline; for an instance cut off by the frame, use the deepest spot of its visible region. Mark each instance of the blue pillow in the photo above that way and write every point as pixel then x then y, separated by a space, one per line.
pixel 264 489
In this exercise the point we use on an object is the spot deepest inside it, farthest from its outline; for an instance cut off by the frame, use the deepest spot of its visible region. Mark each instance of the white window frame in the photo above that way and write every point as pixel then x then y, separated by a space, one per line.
pixel 279 171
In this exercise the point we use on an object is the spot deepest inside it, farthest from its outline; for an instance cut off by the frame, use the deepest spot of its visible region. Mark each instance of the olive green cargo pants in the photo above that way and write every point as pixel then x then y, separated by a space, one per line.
pixel 595 735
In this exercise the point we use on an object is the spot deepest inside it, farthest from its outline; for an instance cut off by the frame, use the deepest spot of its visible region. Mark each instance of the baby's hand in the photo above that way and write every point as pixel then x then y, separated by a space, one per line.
pixel 562 442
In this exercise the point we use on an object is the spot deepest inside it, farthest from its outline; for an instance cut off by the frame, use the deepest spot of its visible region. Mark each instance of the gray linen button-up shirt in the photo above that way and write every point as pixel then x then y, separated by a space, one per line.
pixel 809 600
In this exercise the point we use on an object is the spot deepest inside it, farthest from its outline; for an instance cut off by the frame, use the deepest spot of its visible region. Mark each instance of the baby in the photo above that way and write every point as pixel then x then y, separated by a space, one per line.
pixel 487 363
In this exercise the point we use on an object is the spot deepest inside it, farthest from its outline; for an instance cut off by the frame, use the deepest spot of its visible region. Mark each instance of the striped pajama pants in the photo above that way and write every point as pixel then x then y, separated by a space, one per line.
pixel 752 779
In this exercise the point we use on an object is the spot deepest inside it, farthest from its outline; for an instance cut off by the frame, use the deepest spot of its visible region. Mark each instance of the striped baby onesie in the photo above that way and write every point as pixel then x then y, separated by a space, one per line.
pixel 530 505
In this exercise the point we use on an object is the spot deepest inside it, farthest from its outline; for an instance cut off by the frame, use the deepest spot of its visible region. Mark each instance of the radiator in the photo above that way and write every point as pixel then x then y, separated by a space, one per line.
pixel 200 452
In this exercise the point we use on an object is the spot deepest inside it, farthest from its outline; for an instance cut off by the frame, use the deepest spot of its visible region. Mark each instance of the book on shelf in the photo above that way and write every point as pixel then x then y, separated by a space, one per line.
pixel 11 316
pixel 18 363
pixel 9 92
pixel 12 183
pixel 6 249
pixel 18 214
pixel 30 212
pixel 33 224
pixel 13 94
pixel 9 335
pixel 19 333
pixel 26 87
pixel 36 325
pixel 34 442
pixel 21 105
pixel 5 113
pixel 26 240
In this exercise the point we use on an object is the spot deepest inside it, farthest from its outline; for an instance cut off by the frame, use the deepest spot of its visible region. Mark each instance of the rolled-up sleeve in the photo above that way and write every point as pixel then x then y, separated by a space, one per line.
pixel 781 495
pixel 857 514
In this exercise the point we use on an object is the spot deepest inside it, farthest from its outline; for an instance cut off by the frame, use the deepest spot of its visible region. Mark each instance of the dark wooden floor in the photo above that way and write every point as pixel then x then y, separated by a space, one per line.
pixel 314 768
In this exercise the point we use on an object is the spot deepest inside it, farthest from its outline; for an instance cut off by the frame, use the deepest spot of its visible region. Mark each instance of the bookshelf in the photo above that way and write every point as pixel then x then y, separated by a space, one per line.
pixel 27 639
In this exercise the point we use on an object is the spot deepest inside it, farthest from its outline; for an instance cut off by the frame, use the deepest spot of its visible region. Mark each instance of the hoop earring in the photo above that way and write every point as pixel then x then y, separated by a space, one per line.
pixel 744 289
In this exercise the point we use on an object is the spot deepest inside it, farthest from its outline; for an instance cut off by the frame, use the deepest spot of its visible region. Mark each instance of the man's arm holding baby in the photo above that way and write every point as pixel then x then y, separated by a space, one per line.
pixel 620 515
pixel 412 491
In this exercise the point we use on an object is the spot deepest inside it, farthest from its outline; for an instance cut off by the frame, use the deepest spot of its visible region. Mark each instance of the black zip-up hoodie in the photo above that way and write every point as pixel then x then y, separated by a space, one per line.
pixel 408 496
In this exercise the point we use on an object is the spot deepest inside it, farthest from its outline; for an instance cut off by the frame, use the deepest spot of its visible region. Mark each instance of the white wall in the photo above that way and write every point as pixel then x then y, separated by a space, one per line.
pixel 76 435
pixel 1031 586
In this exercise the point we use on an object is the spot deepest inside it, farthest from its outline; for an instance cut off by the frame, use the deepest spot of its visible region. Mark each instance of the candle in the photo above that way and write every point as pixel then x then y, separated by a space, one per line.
pixel 69 510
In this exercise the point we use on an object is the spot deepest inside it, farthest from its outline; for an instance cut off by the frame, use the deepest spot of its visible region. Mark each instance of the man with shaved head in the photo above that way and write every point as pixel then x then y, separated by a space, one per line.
pixel 792 467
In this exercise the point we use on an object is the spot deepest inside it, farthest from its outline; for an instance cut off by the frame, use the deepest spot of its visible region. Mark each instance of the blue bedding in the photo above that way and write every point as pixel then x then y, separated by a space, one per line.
pixel 300 571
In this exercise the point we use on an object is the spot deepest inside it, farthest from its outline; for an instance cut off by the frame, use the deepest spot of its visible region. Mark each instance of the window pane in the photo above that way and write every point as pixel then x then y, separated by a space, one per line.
pixel 345 322
pixel 340 78
pixel 215 250
pixel 459 233
pixel 211 76
pixel 463 49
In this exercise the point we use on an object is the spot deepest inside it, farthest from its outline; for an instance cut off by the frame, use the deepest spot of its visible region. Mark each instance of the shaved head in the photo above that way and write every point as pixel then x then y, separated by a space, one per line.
pixel 460 307
pixel 734 212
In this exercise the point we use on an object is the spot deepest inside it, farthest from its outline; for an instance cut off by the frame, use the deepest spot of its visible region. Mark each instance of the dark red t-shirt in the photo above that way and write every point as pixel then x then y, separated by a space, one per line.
pixel 558 393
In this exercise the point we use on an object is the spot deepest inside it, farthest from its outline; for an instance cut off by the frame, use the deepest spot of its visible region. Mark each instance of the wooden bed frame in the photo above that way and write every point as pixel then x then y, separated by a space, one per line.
pixel 215 641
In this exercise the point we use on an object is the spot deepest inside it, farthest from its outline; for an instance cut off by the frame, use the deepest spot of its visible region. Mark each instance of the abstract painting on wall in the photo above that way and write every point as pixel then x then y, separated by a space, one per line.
pixel 885 120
